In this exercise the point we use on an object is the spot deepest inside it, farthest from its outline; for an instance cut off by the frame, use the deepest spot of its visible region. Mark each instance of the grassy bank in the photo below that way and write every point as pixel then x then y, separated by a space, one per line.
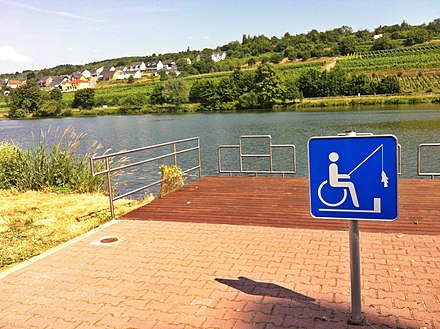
pixel 348 101
pixel 32 222
pixel 305 105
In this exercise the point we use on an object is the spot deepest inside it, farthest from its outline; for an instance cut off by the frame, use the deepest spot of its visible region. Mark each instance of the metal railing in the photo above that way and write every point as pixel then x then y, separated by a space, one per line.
pixel 419 160
pixel 256 155
pixel 108 170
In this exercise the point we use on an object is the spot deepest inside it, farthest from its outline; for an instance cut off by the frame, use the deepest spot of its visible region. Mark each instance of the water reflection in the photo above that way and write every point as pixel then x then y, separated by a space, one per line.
pixel 412 126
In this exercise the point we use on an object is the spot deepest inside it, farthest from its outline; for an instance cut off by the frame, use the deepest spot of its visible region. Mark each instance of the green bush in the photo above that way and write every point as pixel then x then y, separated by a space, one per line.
pixel 172 179
pixel 10 165
pixel 84 98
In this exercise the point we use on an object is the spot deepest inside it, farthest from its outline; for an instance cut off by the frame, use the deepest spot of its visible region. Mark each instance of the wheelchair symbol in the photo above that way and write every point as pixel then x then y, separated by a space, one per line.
pixel 328 204
pixel 343 183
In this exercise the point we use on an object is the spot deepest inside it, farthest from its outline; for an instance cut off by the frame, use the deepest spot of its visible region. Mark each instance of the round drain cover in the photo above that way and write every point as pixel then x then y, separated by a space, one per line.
pixel 109 240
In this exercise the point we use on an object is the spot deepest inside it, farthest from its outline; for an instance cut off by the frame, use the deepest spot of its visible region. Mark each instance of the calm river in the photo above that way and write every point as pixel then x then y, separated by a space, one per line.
pixel 412 125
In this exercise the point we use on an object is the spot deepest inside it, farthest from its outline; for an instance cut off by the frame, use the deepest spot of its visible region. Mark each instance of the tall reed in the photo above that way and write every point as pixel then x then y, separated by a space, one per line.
pixel 53 165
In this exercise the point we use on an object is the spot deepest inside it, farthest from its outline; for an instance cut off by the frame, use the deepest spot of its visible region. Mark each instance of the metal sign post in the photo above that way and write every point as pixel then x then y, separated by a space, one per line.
pixel 354 177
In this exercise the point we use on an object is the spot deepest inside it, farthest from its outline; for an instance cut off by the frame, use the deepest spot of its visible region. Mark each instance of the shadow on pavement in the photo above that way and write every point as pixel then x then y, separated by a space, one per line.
pixel 252 287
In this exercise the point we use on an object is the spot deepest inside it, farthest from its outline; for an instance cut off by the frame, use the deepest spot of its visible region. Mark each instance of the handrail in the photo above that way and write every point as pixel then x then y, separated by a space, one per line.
pixel 269 155
pixel 109 170
pixel 419 160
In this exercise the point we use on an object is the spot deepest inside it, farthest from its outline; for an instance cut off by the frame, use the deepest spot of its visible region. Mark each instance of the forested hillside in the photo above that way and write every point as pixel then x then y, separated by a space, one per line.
pixel 253 49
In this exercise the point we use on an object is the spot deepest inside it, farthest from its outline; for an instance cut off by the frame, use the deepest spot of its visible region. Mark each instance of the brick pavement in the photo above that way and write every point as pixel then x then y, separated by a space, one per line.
pixel 185 275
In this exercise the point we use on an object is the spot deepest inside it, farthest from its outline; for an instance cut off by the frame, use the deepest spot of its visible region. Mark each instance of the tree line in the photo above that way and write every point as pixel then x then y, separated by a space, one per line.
pixel 250 89
pixel 265 87
pixel 30 99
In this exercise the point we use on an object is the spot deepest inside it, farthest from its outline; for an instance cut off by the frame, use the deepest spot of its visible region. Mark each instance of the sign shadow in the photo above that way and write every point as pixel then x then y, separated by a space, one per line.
pixel 256 288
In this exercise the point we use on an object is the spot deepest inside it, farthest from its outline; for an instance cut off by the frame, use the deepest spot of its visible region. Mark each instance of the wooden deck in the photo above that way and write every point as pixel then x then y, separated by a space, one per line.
pixel 284 202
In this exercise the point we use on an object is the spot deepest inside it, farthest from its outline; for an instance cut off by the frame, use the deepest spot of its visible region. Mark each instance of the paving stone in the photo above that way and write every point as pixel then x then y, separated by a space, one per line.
pixel 187 275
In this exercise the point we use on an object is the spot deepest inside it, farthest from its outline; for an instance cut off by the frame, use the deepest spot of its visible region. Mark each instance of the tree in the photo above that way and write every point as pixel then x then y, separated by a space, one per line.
pixel 268 85
pixel 416 35
pixel 335 82
pixel 389 85
pixel 360 84
pixel 156 95
pixel 310 83
pixel 183 65
pixel 30 76
pixel 242 83
pixel 84 98
pixel 226 90
pixel 383 43
pixel 276 58
pixel 175 92
pixel 204 92
pixel 347 45
pixel 291 90
pixel 55 94
pixel 130 79
pixel 25 99
pixel 251 61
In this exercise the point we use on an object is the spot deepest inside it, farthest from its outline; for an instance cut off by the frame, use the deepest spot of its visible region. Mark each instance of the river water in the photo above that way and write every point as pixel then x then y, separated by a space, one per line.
pixel 412 125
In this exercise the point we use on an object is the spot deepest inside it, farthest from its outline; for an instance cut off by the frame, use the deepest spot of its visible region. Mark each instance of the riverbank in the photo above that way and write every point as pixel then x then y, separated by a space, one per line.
pixel 32 222
pixel 366 100
pixel 306 104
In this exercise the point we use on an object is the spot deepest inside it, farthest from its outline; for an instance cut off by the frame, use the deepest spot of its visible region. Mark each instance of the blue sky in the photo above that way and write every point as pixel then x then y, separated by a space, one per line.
pixel 37 34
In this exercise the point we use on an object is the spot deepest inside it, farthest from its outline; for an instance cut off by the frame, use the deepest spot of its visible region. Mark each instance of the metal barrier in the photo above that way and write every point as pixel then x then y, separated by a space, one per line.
pixel 419 160
pixel 252 155
pixel 108 170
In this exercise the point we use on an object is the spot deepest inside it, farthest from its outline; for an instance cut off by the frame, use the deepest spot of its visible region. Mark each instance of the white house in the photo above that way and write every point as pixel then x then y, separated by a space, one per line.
pixel 121 68
pixel 135 66
pixel 377 36
pixel 122 75
pixel 169 64
pixel 154 66
pixel 86 74
pixel 219 56
pixel 137 74
pixel 96 72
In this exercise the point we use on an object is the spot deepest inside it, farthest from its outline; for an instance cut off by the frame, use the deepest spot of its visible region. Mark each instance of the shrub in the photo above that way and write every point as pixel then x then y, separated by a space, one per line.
pixel 389 85
pixel 248 101
pixel 84 98
pixel 172 179
pixel 10 164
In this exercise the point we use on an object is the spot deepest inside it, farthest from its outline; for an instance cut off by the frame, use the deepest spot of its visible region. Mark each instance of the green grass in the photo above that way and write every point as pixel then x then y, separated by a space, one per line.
pixel 32 222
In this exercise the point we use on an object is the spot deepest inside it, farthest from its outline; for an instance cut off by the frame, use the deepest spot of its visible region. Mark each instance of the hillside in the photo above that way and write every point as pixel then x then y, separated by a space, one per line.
pixel 336 42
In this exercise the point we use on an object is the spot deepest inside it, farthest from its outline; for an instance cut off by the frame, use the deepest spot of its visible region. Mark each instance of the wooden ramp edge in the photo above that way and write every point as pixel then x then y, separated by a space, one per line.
pixel 284 202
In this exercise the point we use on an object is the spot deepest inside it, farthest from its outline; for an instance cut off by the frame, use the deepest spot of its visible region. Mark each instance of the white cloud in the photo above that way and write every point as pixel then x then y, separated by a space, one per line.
pixel 9 54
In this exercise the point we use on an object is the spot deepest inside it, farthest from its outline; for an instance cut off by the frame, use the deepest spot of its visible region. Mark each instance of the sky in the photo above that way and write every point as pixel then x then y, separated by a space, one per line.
pixel 38 34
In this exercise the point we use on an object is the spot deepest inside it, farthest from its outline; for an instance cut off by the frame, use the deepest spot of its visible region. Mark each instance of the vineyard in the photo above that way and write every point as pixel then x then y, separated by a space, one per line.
pixel 291 72
pixel 420 83
pixel 417 57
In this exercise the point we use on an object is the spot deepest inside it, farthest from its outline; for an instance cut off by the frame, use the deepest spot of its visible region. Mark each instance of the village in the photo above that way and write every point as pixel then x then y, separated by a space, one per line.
pixel 89 78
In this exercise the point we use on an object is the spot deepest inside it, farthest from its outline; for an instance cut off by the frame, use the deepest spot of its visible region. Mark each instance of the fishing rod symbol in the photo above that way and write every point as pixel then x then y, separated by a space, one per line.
pixel 337 180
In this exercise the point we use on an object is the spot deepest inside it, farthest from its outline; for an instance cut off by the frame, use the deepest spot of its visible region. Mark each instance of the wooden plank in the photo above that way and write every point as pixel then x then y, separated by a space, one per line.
pixel 284 202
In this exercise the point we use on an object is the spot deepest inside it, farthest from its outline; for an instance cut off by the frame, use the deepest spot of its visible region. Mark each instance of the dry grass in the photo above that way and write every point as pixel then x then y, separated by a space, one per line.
pixel 33 222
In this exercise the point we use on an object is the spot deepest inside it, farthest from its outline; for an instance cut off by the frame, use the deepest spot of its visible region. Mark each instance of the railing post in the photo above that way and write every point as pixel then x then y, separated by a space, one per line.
pixel 110 187
pixel 175 155
pixel 270 154
pixel 199 157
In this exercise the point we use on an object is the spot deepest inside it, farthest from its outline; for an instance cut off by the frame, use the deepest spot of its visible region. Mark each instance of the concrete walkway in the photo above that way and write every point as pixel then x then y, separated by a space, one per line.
pixel 183 275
